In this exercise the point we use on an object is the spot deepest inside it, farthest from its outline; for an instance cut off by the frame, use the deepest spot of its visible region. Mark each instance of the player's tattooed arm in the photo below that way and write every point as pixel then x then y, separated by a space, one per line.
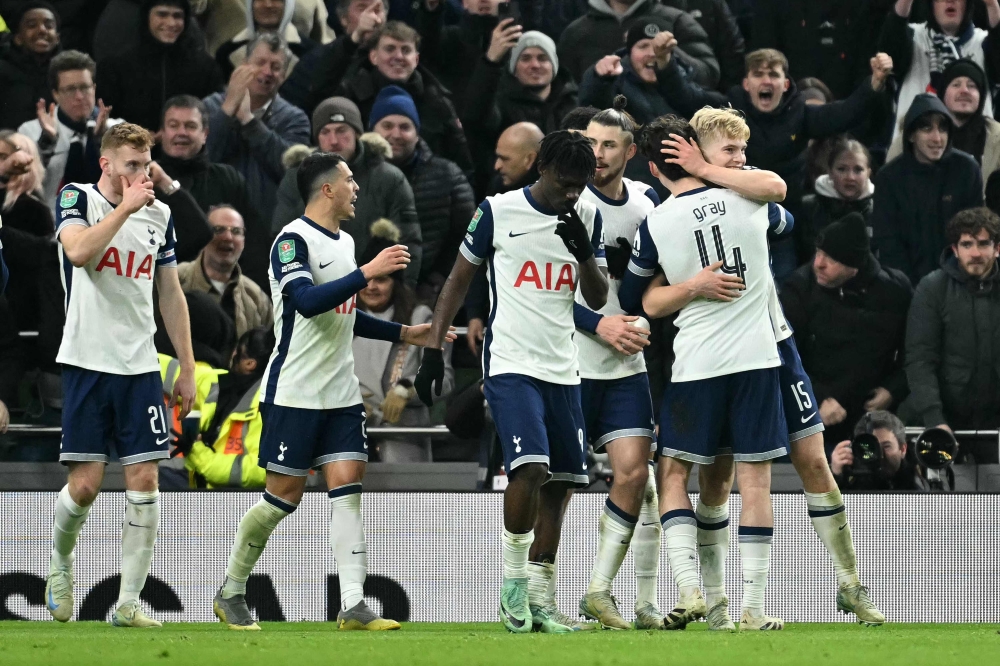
pixel 755 184
pixel 662 299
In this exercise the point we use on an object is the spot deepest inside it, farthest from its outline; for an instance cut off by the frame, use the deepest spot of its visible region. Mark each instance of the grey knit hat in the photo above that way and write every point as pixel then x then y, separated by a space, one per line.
pixel 336 110
pixel 540 40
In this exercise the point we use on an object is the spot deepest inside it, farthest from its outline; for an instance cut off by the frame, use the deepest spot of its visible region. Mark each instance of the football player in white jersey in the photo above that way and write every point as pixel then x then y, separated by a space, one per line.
pixel 115 241
pixel 614 387
pixel 720 157
pixel 541 242
pixel 724 389
pixel 313 415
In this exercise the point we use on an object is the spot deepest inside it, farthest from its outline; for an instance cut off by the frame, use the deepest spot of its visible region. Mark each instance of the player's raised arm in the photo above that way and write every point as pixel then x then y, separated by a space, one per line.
pixel 81 242
pixel 755 184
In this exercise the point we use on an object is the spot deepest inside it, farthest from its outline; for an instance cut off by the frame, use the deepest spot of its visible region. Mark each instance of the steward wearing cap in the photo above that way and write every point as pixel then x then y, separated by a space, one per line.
pixel 849 317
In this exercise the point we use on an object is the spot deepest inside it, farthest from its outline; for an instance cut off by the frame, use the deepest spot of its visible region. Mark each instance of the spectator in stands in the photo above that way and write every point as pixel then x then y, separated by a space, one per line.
pixel 115 33
pixel 68 132
pixel 846 188
pixel 251 125
pixel 919 191
pixel 183 159
pixel 815 91
pixel 599 33
pixel 827 39
pixel 212 333
pixel 781 122
pixel 384 191
pixel 849 318
pixel 724 36
pixel 216 272
pixel 442 195
pixel 394 59
pixel 899 468
pixel 952 331
pixel 922 51
pixel 24 65
pixel 972 132
pixel 265 17
pixel 168 61
pixel 310 19
pixel 634 71
pixel 386 369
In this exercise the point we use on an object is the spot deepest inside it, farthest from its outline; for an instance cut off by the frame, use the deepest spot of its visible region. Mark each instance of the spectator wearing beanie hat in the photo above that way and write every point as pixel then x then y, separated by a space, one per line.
pixel 384 191
pixel 849 317
pixel 444 199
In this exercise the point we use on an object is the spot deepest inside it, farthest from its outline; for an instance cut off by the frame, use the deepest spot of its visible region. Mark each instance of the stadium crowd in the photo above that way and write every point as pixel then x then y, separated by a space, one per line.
pixel 878 114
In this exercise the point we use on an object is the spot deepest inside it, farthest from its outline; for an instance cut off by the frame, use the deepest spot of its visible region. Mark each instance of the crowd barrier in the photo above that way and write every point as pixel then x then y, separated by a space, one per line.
pixel 436 557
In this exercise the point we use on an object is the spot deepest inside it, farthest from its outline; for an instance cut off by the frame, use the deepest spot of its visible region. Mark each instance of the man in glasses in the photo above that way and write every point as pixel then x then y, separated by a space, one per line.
pixel 216 272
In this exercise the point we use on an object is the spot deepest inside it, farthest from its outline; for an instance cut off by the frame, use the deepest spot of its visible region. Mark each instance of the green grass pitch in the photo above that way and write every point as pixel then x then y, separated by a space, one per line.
pixel 301 644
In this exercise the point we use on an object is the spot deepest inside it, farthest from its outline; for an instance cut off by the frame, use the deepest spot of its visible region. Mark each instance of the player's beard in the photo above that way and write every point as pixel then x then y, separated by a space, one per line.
pixel 604 177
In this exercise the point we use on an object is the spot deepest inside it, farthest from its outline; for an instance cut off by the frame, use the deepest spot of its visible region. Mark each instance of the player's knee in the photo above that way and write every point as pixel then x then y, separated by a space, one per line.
pixel 142 477
pixel 633 479
pixel 84 491
pixel 530 474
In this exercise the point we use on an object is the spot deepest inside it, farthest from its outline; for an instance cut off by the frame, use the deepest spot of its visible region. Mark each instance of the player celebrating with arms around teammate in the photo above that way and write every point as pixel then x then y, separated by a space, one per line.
pixel 614 388
pixel 310 403
pixel 540 242
pixel 115 240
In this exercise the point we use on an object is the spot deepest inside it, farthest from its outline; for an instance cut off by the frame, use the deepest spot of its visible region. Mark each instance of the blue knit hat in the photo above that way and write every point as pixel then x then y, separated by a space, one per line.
pixel 393 101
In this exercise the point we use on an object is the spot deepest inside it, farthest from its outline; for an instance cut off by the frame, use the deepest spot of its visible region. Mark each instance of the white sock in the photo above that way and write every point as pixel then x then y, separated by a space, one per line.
pixel 829 519
pixel 680 530
pixel 347 538
pixel 515 554
pixel 646 546
pixel 255 529
pixel 614 533
pixel 550 591
pixel 541 579
pixel 713 546
pixel 755 554
pixel 142 520
pixel 69 520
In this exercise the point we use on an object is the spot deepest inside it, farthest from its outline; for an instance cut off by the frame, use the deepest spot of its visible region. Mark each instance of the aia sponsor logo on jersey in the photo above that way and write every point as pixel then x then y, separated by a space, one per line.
pixel 530 275
pixel 347 307
pixel 112 261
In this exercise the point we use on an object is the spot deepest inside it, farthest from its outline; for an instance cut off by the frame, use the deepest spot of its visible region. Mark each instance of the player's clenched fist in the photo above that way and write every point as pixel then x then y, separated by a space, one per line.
pixel 881 65
pixel 609 66
pixel 430 375
pixel 136 195
pixel 387 262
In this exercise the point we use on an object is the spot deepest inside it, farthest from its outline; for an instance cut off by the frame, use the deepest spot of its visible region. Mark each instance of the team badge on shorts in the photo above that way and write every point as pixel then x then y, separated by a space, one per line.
pixel 286 251
pixel 69 198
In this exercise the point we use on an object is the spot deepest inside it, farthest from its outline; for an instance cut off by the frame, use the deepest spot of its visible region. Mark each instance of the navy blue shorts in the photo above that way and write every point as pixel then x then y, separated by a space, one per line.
pixel 101 409
pixel 742 410
pixel 295 440
pixel 539 422
pixel 801 409
pixel 615 408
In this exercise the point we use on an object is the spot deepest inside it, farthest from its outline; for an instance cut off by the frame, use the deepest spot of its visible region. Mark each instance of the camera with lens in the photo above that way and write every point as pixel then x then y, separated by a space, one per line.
pixel 866 470
pixel 937 450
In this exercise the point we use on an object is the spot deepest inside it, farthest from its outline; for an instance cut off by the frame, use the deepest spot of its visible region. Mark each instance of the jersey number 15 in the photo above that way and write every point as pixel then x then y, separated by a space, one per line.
pixel 737 268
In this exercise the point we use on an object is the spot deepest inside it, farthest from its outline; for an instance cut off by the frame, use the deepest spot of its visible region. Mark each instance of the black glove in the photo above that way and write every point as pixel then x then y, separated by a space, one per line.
pixel 618 257
pixel 431 371
pixel 574 235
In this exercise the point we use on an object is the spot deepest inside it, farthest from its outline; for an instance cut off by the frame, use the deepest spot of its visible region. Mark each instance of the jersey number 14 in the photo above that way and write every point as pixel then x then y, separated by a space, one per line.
pixel 737 268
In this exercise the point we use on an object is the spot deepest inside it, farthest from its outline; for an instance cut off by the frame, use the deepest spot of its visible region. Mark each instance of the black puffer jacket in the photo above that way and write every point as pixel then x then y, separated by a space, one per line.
pixel 24 79
pixel 139 82
pixel 646 101
pixel 444 205
pixel 724 35
pixel 953 348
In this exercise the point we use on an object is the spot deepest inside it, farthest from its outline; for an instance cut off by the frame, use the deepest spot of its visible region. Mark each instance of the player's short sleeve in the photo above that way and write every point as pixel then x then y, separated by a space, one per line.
pixel 478 241
pixel 166 255
pixel 645 258
pixel 652 196
pixel 780 221
pixel 597 240
pixel 290 260
pixel 71 208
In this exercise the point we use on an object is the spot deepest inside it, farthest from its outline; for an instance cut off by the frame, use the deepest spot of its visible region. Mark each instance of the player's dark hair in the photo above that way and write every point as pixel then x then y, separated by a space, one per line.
pixel 618 117
pixel 579 118
pixel 971 222
pixel 69 61
pixel 651 142
pixel 314 171
pixel 257 343
pixel 185 102
pixel 569 153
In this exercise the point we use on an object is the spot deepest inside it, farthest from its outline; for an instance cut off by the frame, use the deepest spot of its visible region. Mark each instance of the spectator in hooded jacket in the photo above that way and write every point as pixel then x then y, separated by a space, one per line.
pixel 922 51
pixel 115 34
pixel 441 192
pixel 919 191
pixel 265 16
pixel 845 188
pixel 724 36
pixel 598 33
pixel 964 91
pixel 24 65
pixel 849 317
pixel 167 62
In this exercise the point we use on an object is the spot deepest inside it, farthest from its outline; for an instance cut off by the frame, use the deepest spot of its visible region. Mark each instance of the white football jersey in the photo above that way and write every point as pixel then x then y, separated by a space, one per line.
pixel 533 279
pixel 692 231
pixel 620 219
pixel 109 301
pixel 312 365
